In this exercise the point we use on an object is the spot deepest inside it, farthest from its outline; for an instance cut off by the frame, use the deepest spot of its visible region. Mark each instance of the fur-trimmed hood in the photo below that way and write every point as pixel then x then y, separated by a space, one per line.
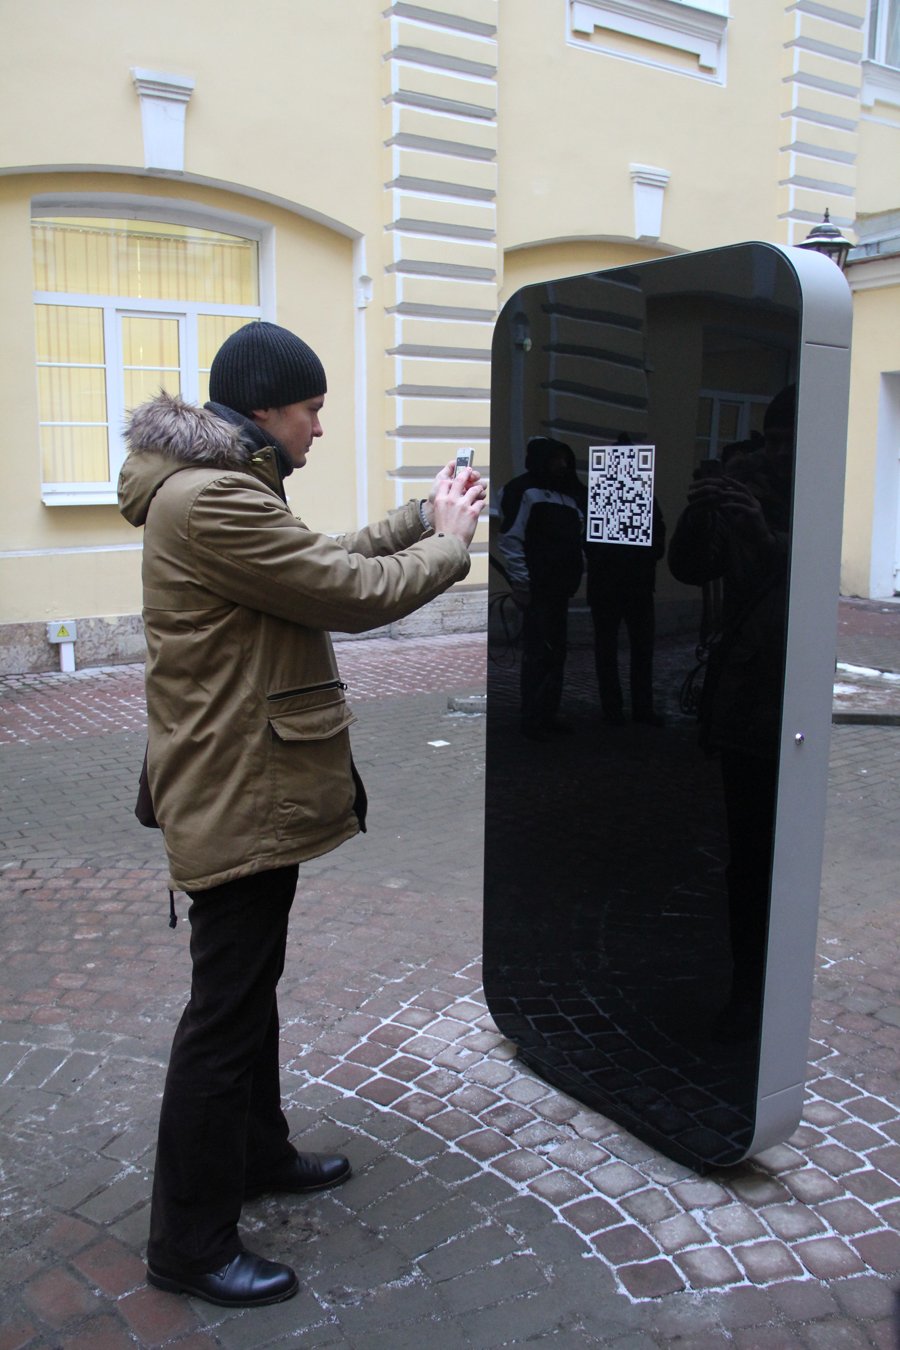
pixel 183 431
pixel 166 435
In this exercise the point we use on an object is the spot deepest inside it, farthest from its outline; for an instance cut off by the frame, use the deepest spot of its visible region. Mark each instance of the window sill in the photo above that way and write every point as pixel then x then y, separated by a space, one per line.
pixel 72 497
pixel 880 84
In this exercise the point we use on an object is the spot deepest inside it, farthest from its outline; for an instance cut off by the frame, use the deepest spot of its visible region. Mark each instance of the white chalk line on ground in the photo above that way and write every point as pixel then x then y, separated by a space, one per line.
pixel 460 1040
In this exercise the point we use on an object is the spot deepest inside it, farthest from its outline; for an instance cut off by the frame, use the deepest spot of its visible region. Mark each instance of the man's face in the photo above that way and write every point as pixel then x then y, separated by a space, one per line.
pixel 780 449
pixel 295 426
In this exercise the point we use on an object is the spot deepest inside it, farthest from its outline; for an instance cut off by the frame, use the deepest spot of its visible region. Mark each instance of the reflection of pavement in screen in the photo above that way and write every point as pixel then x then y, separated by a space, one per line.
pixel 606 934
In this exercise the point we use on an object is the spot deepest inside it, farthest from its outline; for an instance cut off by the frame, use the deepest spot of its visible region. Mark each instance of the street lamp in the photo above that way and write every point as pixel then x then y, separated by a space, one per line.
pixel 827 238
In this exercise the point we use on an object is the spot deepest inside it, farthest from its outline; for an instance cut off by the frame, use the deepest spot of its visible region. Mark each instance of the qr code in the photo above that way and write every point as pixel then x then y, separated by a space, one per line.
pixel 620 494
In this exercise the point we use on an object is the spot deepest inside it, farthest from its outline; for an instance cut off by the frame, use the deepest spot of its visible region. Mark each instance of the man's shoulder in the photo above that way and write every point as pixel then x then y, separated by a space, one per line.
pixel 192 479
pixel 197 500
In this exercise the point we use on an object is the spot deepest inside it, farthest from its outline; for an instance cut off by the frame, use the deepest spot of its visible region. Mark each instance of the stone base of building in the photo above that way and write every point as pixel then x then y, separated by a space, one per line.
pixel 118 640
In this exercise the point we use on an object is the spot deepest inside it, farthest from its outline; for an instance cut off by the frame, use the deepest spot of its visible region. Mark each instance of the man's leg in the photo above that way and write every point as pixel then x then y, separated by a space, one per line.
pixel 640 621
pixel 556 628
pixel 267 1129
pixel 544 631
pixel 606 616
pixel 225 1044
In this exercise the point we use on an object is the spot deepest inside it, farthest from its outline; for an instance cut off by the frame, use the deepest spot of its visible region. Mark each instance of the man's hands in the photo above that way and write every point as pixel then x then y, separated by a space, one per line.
pixel 738 506
pixel 456 503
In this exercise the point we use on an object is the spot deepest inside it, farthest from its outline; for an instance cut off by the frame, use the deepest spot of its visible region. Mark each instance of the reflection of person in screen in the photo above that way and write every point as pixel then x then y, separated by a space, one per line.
pixel 736 526
pixel 541 535
pixel 621 579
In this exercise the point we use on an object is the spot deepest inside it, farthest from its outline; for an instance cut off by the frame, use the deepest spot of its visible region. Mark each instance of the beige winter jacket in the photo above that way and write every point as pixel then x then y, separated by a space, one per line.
pixel 249 752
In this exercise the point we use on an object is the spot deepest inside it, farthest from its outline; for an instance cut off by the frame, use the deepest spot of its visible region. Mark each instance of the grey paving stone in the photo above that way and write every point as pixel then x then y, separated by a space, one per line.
pixel 803 1300
pixel 512 1320
pixel 132 1228
pixel 453 1167
pixel 267 1324
pixel 395 897
pixel 488 1191
pixel 482 1286
pixel 455 1215
pixel 468 1252
pixel 403 1303
pixel 115 1199
pixel 866 1296
pixel 435 1331
pixel 384 1175
pixel 36 1068
pixel 91 1176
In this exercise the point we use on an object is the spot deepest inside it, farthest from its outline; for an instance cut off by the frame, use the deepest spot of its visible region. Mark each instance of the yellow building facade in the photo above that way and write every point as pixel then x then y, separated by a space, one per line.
pixel 380 178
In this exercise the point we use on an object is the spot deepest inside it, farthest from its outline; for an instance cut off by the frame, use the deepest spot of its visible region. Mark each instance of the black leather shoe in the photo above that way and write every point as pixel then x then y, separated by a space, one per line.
pixel 247 1281
pixel 303 1173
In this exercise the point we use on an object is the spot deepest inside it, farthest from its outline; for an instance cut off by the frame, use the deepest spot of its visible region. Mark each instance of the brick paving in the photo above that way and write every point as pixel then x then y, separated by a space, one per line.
pixel 486 1207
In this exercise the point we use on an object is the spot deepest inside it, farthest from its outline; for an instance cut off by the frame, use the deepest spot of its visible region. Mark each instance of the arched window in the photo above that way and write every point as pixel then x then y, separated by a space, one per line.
pixel 125 307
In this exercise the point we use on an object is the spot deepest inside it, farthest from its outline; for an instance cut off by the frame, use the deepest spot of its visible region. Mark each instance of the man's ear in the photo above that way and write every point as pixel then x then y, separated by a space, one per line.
pixel 260 416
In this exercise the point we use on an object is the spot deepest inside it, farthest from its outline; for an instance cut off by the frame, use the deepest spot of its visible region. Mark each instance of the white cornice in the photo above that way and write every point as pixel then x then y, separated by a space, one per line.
pixel 200 180
pixel 880 84
pixel 874 275
pixel 648 190
pixel 164 100
pixel 698 28
pixel 151 84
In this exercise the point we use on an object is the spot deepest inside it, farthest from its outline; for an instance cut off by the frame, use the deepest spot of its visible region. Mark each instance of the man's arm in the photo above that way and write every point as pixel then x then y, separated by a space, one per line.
pixel 247 548
pixel 398 530
pixel 407 524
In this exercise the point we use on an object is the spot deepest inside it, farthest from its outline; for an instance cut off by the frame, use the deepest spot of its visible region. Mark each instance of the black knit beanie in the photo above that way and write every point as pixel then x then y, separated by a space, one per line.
pixel 264 366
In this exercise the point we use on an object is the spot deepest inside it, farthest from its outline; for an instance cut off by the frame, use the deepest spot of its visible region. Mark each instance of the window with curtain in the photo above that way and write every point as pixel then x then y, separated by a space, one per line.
pixel 124 308
pixel 884 32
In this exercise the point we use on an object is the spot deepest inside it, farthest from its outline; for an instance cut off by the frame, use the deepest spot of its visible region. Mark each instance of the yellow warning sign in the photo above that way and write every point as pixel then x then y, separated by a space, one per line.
pixel 62 630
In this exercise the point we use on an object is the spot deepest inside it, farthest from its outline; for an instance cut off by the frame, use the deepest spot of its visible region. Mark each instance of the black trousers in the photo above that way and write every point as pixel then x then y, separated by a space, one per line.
pixel 544 649
pixel 221 1125
pixel 636 610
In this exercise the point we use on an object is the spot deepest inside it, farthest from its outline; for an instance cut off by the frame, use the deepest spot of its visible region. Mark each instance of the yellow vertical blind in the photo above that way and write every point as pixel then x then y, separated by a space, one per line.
pixel 72 394
pixel 144 260
pixel 150 358
pixel 122 263
pixel 212 330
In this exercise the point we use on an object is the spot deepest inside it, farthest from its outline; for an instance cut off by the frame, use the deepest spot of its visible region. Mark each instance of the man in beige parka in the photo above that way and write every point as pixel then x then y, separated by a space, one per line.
pixel 249 760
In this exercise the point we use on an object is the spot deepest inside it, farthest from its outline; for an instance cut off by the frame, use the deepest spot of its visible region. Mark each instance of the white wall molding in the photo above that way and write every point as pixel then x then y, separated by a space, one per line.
pixel 874 274
pixel 880 84
pixel 164 99
pixel 884 576
pixel 698 28
pixel 649 189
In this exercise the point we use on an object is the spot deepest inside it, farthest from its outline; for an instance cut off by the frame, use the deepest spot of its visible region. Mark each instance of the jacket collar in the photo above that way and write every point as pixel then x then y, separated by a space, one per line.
pixel 267 457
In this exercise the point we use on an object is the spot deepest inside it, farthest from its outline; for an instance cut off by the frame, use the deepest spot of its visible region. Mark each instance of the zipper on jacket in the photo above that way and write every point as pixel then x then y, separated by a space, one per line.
pixel 307 689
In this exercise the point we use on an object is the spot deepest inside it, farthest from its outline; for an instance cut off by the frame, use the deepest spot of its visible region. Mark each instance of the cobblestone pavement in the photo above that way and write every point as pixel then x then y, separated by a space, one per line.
pixel 486 1208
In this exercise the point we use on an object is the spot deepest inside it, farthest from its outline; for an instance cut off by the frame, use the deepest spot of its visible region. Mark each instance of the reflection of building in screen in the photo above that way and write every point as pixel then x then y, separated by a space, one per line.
pixel 540 540
pixel 626 537
pixel 736 529
pixel 610 875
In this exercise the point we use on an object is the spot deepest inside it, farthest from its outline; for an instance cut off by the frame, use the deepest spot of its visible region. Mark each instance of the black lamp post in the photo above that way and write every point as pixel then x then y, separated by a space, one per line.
pixel 827 238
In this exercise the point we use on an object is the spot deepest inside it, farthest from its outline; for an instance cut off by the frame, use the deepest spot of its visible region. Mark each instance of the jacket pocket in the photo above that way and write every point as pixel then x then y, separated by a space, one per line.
pixel 311 774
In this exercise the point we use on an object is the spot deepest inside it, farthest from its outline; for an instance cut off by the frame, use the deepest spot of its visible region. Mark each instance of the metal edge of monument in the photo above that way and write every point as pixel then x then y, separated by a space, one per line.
pixel 667 463
pixel 824 391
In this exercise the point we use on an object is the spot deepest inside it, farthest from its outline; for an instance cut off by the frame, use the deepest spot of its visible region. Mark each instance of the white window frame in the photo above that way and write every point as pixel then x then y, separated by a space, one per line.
pixel 745 404
pixel 876 34
pixel 696 27
pixel 115 308
pixel 880 82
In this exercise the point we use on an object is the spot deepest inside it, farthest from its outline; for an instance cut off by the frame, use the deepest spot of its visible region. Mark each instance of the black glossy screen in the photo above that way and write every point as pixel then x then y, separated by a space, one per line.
pixel 638 608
